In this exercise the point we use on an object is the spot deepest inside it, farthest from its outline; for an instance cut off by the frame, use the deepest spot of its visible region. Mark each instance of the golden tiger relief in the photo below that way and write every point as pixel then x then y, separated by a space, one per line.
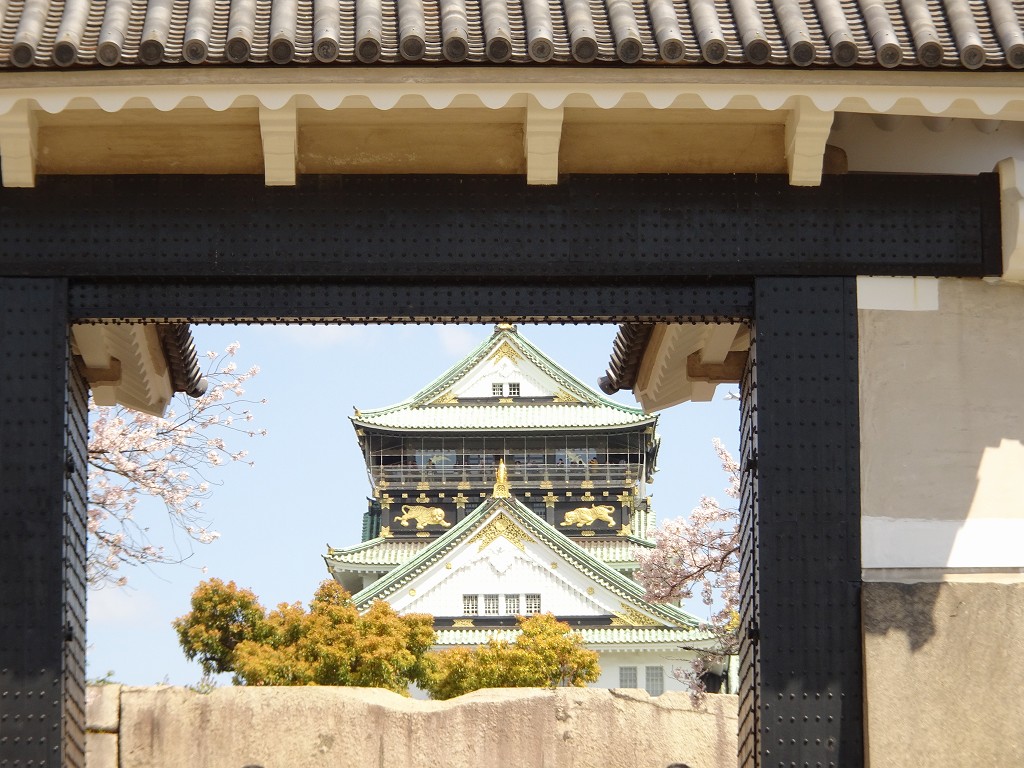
pixel 423 516
pixel 582 516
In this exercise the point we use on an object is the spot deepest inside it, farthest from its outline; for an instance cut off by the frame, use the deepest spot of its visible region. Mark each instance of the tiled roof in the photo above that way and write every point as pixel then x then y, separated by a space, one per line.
pixel 507 418
pixel 376 552
pixel 617 550
pixel 427 410
pixel 627 353
pixel 182 358
pixel 388 552
pixel 592 636
pixel 866 33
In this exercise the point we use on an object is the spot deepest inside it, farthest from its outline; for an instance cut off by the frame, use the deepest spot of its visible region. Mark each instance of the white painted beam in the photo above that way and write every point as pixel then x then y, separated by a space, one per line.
pixel 279 129
pixel 807 131
pixel 542 137
pixel 18 144
pixel 718 342
pixel 1011 195
pixel 908 294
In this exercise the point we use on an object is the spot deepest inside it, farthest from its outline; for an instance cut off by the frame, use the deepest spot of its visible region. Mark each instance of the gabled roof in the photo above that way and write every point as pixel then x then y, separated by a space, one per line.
pixel 387 553
pixel 508 518
pixel 826 33
pixel 567 404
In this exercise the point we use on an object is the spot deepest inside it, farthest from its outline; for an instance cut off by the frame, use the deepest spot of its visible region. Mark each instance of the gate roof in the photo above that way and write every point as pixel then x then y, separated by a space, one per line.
pixel 785 33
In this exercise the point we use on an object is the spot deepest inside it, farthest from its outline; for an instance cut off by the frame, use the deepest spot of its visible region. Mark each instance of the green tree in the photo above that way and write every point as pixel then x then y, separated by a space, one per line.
pixel 330 644
pixel 547 653
pixel 222 616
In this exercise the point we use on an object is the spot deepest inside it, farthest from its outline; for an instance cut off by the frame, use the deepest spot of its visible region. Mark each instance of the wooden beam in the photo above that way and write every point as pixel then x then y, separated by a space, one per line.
pixel 542 136
pixel 279 129
pixel 1011 196
pixel 728 371
pixel 18 144
pixel 807 131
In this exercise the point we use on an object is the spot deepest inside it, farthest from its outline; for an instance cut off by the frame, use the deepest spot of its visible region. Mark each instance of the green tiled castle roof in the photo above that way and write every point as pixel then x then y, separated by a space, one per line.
pixel 577 406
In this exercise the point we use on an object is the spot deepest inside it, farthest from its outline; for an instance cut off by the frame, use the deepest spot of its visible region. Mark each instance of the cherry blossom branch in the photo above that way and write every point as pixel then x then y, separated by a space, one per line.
pixel 700 554
pixel 168 458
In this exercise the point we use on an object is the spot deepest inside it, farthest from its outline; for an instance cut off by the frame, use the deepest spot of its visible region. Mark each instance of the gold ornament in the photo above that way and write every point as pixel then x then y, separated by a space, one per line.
pixel 582 516
pixel 501 489
pixel 501 527
pixel 423 516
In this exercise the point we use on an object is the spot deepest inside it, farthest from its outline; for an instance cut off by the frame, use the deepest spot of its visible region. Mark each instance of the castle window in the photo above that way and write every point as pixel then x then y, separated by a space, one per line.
pixel 511 605
pixel 513 389
pixel 498 390
pixel 655 680
pixel 532 604
pixel 471 605
pixel 627 677
pixel 490 605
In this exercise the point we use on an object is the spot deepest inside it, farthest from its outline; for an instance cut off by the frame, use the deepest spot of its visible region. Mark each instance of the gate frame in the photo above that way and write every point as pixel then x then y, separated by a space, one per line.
pixel 69 259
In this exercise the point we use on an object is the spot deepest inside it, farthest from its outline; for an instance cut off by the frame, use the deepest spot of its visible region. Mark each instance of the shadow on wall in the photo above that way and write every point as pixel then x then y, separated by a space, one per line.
pixel 907 608
pixel 942 429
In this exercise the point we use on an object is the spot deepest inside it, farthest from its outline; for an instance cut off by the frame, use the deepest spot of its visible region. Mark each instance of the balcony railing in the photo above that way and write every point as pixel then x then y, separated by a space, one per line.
pixel 600 475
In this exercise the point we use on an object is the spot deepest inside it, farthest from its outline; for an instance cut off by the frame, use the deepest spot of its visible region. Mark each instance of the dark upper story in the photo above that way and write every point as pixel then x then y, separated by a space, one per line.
pixel 577 458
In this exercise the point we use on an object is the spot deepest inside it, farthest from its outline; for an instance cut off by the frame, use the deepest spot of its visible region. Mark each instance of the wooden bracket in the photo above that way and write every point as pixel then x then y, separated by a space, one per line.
pixel 730 370
pixel 279 129
pixel 807 131
pixel 542 136
pixel 18 146
pixel 1011 197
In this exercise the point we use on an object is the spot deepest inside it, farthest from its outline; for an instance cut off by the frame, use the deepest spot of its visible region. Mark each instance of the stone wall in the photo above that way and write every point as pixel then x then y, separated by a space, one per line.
pixel 942 458
pixel 365 727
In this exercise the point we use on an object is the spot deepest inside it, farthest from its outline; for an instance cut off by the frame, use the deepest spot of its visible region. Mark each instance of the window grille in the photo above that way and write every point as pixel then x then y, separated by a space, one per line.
pixel 498 390
pixel 655 682
pixel 513 389
pixel 470 605
pixel 532 604
pixel 511 605
pixel 490 605
pixel 627 677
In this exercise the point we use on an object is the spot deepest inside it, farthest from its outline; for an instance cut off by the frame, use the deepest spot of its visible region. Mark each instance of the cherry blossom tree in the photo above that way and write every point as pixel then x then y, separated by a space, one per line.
pixel 700 554
pixel 132 455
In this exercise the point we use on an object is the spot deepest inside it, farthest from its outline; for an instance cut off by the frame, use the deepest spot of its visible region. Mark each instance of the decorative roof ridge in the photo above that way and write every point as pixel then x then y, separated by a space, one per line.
pixel 436 388
pixel 602 572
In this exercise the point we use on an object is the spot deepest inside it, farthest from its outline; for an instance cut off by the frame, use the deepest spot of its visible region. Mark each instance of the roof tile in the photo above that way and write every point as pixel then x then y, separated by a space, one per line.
pixel 869 33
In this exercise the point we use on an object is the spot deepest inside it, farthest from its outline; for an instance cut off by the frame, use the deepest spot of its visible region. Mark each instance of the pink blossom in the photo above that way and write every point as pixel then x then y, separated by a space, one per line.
pixel 700 553
pixel 133 454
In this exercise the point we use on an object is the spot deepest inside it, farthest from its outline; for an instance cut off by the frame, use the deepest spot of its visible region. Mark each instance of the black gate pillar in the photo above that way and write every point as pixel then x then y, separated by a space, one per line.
pixel 801 698
pixel 42 529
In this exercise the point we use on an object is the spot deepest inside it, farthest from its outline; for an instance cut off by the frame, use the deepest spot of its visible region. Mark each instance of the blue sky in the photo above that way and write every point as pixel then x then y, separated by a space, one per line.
pixel 308 486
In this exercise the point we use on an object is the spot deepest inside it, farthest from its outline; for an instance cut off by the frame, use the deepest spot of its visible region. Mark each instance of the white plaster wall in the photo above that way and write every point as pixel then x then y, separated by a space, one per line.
pixel 942 425
pixel 612 661
pixel 532 381
pixel 895 144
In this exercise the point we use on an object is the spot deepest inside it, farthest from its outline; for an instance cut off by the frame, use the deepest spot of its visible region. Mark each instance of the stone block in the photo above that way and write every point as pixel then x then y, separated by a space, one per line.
pixel 943 674
pixel 271 727
pixel 102 708
pixel 101 750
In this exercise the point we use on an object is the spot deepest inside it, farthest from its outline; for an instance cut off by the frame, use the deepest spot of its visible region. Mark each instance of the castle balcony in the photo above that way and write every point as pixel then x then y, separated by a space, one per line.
pixel 526 476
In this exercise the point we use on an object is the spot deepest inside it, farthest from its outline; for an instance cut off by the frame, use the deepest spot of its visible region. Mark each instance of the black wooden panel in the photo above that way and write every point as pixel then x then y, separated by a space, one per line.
pixel 749 690
pixel 807 518
pixel 493 227
pixel 42 618
pixel 76 503
pixel 398 302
